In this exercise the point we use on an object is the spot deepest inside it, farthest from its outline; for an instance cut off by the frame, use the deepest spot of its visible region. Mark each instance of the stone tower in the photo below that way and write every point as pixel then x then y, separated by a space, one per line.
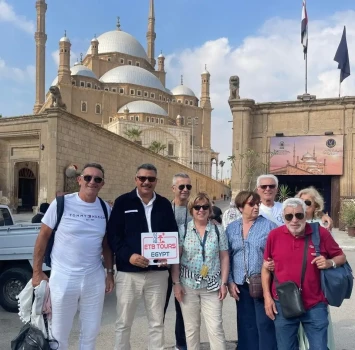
pixel 205 89
pixel 40 38
pixel 161 69
pixel 64 60
pixel 151 34
pixel 205 103
pixel 94 46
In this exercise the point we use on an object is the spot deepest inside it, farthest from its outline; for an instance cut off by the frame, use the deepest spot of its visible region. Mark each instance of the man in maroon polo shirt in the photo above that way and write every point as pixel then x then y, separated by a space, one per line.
pixel 285 246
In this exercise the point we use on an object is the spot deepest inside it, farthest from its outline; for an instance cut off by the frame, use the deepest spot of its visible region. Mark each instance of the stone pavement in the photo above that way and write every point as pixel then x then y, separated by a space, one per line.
pixel 345 242
pixel 231 345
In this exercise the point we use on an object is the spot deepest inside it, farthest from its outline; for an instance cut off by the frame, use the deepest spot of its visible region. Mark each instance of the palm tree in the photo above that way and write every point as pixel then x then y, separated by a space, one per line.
pixel 133 134
pixel 157 147
pixel 221 164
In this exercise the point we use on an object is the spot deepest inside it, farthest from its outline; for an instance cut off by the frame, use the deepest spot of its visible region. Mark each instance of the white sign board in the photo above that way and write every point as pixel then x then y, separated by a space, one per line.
pixel 160 245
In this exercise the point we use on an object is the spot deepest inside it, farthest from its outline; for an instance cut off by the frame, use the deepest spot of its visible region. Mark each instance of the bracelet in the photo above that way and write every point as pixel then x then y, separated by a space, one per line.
pixel 109 270
pixel 175 283
pixel 225 284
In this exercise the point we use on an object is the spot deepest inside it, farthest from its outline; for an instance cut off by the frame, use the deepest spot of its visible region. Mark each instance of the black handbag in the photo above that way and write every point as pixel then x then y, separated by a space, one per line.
pixel 289 293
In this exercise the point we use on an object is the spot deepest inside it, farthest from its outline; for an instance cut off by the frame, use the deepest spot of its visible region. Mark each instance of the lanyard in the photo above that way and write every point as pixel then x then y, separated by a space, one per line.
pixel 185 219
pixel 202 243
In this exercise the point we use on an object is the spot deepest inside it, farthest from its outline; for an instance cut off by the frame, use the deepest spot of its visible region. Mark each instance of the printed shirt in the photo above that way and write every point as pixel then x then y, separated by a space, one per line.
pixel 191 257
pixel 254 248
pixel 273 213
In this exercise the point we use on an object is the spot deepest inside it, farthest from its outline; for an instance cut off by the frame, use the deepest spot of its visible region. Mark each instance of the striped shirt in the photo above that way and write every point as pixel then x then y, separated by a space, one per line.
pixel 254 248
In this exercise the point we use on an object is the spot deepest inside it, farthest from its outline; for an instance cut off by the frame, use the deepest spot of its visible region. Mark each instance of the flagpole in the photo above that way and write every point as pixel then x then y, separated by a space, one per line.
pixel 339 89
pixel 306 72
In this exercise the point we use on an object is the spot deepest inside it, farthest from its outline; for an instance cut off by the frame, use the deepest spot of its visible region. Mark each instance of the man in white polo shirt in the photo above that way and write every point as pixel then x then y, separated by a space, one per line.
pixel 77 278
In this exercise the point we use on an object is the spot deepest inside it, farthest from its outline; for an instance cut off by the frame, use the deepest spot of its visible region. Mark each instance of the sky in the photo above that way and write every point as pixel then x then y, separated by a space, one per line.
pixel 257 40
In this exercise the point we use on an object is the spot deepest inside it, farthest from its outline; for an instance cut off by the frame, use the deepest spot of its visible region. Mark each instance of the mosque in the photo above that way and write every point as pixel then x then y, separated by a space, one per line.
pixel 120 86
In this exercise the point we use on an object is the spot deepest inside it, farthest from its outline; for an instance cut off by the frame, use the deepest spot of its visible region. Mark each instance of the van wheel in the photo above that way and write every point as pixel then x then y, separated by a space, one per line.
pixel 12 281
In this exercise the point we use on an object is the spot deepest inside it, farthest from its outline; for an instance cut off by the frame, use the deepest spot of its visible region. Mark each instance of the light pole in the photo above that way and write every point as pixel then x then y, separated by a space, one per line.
pixel 192 121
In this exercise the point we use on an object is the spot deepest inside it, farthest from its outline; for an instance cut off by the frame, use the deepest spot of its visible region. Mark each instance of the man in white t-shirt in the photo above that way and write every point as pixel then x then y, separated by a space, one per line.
pixel 78 279
pixel 267 186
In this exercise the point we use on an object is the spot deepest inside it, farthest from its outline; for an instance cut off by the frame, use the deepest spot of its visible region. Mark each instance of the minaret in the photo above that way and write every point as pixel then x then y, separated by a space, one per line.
pixel 151 34
pixel 294 154
pixel 161 68
pixel 40 38
pixel 205 89
pixel 64 60
pixel 94 46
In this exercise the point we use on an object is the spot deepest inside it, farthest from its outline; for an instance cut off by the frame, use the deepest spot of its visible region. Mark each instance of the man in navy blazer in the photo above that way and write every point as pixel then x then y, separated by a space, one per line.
pixel 141 210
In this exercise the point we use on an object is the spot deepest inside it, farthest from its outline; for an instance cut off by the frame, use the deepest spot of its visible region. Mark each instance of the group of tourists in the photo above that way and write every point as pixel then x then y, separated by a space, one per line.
pixel 257 245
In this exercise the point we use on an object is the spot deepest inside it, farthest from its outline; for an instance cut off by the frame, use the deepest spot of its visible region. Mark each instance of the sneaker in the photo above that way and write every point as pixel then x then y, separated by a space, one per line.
pixel 180 347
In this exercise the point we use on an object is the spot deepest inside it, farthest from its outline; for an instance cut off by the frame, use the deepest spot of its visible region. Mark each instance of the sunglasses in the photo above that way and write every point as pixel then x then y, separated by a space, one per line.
pixel 182 187
pixel 264 187
pixel 88 178
pixel 308 202
pixel 145 178
pixel 289 217
pixel 252 204
pixel 198 207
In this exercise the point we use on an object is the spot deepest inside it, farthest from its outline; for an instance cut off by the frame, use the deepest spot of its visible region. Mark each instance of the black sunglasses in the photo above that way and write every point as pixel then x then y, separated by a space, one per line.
pixel 198 207
pixel 264 187
pixel 182 187
pixel 308 202
pixel 88 178
pixel 289 217
pixel 145 178
pixel 252 203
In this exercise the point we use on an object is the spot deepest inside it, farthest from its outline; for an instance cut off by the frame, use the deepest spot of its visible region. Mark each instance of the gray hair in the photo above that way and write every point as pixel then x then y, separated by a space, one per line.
pixel 318 200
pixel 294 203
pixel 94 165
pixel 180 175
pixel 267 176
pixel 147 166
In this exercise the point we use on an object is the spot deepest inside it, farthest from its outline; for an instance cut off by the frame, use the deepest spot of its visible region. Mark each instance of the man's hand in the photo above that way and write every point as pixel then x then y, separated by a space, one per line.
pixel 37 277
pixel 110 284
pixel 327 222
pixel 163 263
pixel 322 263
pixel 222 293
pixel 270 308
pixel 269 264
pixel 179 292
pixel 233 290
pixel 139 260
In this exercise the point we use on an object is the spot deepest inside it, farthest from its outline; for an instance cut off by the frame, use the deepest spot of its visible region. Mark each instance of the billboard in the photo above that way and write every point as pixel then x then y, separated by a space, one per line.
pixel 307 155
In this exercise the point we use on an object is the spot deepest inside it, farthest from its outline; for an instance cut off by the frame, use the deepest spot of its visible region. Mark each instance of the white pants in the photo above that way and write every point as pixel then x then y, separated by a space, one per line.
pixel 130 289
pixel 70 293
pixel 193 303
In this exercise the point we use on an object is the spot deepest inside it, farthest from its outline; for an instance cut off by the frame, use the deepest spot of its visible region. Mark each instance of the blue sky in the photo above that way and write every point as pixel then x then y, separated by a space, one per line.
pixel 258 40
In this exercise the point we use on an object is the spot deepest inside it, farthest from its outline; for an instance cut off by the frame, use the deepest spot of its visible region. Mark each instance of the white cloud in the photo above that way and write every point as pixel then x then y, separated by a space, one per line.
pixel 7 14
pixel 74 57
pixel 17 74
pixel 270 66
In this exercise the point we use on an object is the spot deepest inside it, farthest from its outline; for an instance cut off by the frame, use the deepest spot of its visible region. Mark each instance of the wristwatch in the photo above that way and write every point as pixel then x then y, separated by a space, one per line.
pixel 225 284
pixel 333 264
pixel 175 283
pixel 109 270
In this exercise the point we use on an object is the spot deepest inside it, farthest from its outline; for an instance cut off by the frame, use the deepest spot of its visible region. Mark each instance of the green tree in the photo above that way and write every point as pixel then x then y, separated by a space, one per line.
pixel 157 147
pixel 221 164
pixel 133 134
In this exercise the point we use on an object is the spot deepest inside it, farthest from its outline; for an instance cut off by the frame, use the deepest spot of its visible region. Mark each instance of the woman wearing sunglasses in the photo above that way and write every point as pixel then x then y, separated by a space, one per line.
pixel 314 213
pixel 247 239
pixel 200 281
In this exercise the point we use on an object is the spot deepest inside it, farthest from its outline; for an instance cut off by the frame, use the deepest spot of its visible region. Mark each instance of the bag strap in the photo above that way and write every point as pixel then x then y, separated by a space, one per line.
pixel 60 211
pixel 104 208
pixel 316 237
pixel 304 262
pixel 217 232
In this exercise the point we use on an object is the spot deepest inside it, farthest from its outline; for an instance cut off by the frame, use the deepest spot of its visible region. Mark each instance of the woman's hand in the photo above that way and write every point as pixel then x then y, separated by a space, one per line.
pixel 179 292
pixel 327 222
pixel 233 291
pixel 110 283
pixel 222 293
pixel 269 264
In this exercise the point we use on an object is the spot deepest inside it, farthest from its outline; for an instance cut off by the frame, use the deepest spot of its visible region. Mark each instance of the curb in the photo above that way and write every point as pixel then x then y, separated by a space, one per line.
pixel 349 248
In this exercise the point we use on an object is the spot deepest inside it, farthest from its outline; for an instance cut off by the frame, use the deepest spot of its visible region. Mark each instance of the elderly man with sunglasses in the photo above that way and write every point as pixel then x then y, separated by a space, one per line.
pixel 267 186
pixel 141 210
pixel 289 246
pixel 77 278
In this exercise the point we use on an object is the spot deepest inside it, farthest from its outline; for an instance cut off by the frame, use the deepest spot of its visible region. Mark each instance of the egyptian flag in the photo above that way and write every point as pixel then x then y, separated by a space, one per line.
pixel 304 29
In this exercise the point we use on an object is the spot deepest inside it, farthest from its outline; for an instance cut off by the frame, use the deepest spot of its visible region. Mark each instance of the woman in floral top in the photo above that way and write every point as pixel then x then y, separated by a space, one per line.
pixel 200 281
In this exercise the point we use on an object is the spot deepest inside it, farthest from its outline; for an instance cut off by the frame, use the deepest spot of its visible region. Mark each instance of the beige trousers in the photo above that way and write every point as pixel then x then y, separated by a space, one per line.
pixel 194 302
pixel 130 289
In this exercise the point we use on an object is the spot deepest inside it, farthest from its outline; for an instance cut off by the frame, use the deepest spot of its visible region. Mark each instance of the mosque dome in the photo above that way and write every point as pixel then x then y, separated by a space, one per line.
pixel 132 75
pixel 119 41
pixel 65 38
pixel 182 90
pixel 78 69
pixel 143 107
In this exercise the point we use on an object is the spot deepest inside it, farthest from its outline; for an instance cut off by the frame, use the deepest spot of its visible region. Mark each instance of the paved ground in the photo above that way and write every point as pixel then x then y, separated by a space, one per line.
pixel 343 318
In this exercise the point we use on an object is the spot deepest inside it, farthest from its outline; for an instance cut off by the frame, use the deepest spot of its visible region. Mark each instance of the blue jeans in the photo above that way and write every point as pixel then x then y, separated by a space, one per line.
pixel 314 322
pixel 256 331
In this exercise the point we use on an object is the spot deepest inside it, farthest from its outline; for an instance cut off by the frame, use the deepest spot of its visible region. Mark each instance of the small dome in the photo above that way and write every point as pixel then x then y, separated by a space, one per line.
pixel 144 107
pixel 182 90
pixel 126 110
pixel 122 42
pixel 65 39
pixel 94 40
pixel 80 69
pixel 179 116
pixel 161 56
pixel 132 75
pixel 205 72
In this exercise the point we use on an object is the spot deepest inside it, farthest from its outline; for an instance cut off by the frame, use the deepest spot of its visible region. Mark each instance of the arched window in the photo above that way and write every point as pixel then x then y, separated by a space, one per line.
pixel 98 108
pixel 26 173
pixel 170 149
pixel 161 121
pixel 84 107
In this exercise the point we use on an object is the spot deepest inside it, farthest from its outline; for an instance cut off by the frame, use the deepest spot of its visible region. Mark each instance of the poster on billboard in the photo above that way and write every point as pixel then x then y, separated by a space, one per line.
pixel 307 155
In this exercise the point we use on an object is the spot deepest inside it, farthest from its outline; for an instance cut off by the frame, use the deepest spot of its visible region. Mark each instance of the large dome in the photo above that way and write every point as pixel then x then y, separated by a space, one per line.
pixel 182 90
pixel 143 107
pixel 132 75
pixel 118 41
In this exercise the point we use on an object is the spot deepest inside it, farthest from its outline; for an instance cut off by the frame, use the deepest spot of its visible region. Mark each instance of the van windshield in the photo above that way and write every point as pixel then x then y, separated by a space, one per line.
pixel 5 217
